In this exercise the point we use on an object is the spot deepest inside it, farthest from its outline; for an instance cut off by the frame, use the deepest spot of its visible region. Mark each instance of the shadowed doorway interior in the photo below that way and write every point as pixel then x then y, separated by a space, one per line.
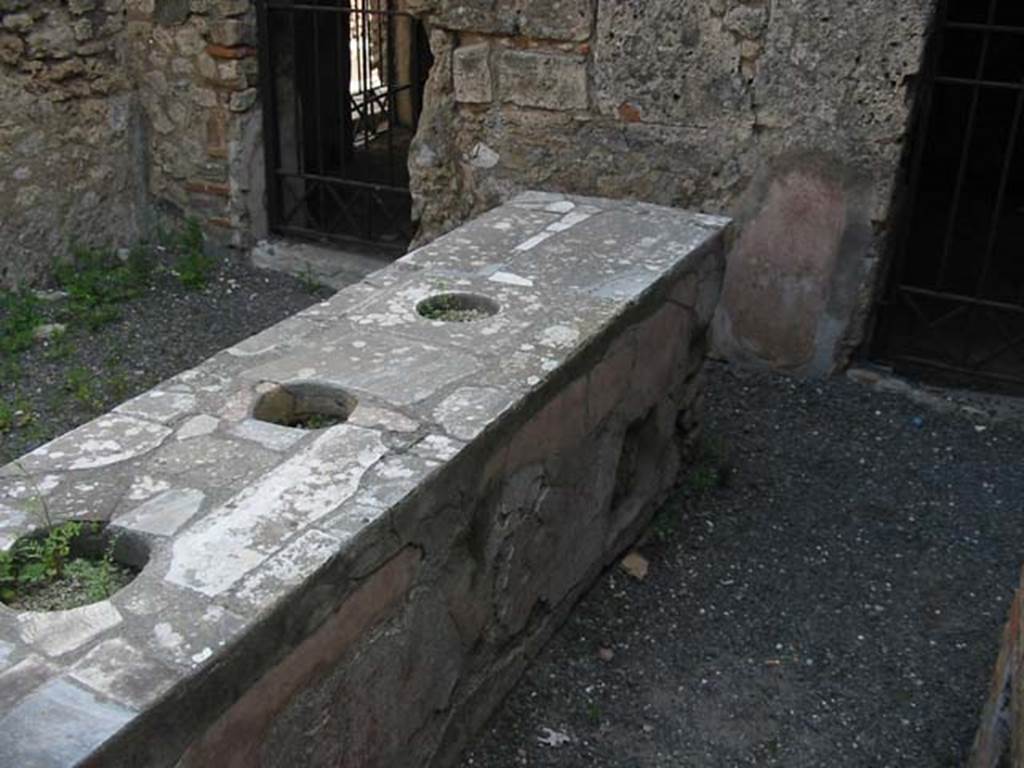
pixel 342 86
pixel 954 303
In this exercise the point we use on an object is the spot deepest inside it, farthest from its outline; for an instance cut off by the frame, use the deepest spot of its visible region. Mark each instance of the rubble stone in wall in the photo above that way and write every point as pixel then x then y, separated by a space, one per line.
pixel 542 79
pixel 471 69
pixel 66 129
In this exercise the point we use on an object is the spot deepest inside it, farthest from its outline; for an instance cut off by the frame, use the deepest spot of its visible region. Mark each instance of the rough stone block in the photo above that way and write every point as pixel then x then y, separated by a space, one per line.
pixel 471 70
pixel 554 81
pixel 556 19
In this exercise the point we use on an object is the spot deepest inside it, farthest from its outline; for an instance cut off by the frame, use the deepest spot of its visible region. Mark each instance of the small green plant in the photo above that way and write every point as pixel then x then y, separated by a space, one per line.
pixel 118 384
pixel 318 421
pixel 59 347
pixel 15 415
pixel 140 264
pixel 194 266
pixel 35 560
pixel 41 572
pixel 96 577
pixel 711 468
pixel 80 384
pixel 452 308
pixel 20 313
pixel 309 280
pixel 97 281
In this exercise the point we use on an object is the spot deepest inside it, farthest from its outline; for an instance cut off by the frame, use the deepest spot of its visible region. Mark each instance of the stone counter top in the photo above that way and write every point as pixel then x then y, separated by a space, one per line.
pixel 243 518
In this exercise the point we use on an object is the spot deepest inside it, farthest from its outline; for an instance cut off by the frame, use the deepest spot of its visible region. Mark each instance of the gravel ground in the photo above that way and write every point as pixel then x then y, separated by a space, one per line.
pixel 836 601
pixel 57 385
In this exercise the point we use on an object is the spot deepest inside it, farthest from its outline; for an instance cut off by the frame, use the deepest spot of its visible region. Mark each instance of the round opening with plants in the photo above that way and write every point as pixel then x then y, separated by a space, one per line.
pixel 305 405
pixel 68 565
pixel 457 307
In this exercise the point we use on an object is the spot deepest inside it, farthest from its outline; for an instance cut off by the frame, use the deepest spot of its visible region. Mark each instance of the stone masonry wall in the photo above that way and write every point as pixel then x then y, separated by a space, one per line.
pixel 195 67
pixel 789 116
pixel 120 116
pixel 68 164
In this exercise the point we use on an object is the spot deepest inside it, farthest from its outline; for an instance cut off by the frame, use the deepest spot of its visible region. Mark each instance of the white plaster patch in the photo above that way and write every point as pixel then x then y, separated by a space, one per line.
pixel 240 535
pixel 27 488
pixel 197 426
pixel 145 486
pixel 5 654
pixel 561 336
pixel 569 221
pixel 159 405
pixel 533 242
pixel 167 637
pixel 562 206
pixel 381 418
pixel 510 278
pixel 108 440
pixel 165 514
pixel 288 568
pixel 467 411
pixel 58 632
pixel 437 448
pixel 272 436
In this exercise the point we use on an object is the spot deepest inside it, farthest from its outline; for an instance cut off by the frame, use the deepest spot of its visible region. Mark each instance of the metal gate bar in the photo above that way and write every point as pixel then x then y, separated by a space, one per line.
pixel 341 104
pixel 955 295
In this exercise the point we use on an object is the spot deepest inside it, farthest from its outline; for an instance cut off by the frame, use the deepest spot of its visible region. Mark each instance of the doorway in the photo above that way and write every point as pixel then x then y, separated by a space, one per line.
pixel 342 84
pixel 954 301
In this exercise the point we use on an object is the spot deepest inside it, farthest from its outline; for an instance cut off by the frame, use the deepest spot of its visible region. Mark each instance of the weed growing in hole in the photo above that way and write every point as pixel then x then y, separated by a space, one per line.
pixel 20 313
pixel 37 562
pixel 33 561
pixel 95 576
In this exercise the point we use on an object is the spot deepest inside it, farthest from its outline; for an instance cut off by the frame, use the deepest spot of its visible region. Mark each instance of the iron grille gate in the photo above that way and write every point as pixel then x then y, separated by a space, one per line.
pixel 955 300
pixel 342 85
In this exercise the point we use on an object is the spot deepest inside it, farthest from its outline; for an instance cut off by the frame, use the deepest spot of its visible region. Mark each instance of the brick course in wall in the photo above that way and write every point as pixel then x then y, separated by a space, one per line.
pixel 197 73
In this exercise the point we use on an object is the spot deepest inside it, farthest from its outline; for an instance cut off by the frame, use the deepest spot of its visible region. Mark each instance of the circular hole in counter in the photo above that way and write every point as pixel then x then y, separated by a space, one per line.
pixel 68 565
pixel 457 307
pixel 305 405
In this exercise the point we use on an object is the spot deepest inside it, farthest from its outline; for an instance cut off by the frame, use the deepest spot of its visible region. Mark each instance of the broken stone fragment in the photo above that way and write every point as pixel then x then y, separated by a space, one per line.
pixel 48 331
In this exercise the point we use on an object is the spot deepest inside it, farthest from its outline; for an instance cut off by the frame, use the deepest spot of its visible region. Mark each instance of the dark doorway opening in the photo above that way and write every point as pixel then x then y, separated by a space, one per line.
pixel 342 86
pixel 954 302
